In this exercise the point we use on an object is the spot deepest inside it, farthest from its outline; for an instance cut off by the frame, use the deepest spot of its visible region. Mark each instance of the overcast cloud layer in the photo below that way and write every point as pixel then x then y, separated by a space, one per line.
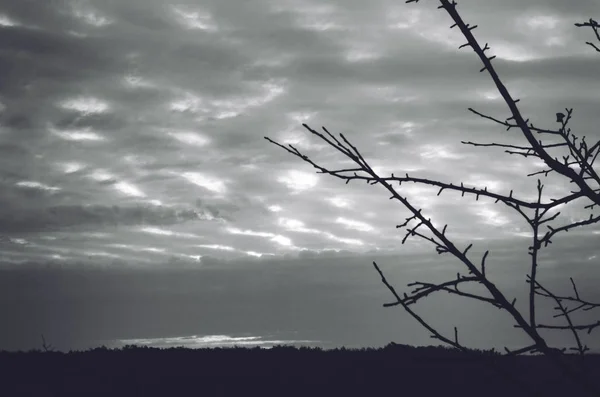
pixel 131 132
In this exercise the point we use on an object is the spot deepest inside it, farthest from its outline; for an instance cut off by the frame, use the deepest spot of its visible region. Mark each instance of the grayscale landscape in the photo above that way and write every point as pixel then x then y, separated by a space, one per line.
pixel 324 193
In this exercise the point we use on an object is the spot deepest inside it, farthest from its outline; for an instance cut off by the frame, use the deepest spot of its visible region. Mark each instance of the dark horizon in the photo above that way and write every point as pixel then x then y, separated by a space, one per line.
pixel 288 371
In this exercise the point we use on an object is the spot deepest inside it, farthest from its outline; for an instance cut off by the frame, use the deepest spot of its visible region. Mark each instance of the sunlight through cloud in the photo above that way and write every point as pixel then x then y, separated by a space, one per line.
pixel 204 181
pixel 134 81
pixel 300 117
pixel 190 138
pixel 295 225
pixel 154 230
pixel 154 250
pixel 361 55
pixel 282 240
pixel 543 22
pixel 277 238
pixel 37 185
pixel 86 105
pixel 513 52
pixel 101 176
pixel 433 151
pixel 235 230
pixel 70 168
pixel 291 223
pixel 129 189
pixel 101 254
pixel 139 248
pixel 349 241
pixel 78 135
pixel 356 225
pixel 188 103
pixel 197 19
pixel 439 34
pixel 481 181
pixel 217 247
pixel 226 108
pixel 423 195
pixel 82 10
pixel 6 21
pixel 298 180
pixel 402 18
pixel 339 202
pixel 165 232
pixel 490 95
pixel 294 136
pixel 316 17
pixel 489 214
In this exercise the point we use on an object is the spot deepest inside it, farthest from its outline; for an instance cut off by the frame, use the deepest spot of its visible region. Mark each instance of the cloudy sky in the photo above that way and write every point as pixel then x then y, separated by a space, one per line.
pixel 132 133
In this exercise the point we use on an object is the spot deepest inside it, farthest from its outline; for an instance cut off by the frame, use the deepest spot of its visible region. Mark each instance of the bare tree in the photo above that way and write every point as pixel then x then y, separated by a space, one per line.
pixel 46 346
pixel 576 167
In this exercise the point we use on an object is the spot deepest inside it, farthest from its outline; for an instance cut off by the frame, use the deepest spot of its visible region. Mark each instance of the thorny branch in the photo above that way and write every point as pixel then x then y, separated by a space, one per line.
pixel 564 311
pixel 582 305
pixel 595 26
pixel 576 167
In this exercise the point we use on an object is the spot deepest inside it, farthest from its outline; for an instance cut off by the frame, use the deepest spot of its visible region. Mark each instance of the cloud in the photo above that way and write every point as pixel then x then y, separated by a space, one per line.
pixel 143 113
pixel 89 217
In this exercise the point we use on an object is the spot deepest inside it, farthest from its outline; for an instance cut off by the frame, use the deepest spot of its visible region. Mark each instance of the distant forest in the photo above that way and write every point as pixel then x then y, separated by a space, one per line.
pixel 398 370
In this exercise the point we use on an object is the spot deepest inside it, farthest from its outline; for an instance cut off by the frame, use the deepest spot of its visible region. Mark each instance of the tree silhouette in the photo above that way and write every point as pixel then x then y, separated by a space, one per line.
pixel 46 346
pixel 576 167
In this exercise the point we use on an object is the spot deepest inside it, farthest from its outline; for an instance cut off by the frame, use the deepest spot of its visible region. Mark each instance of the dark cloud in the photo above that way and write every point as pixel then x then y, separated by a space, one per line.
pixel 89 217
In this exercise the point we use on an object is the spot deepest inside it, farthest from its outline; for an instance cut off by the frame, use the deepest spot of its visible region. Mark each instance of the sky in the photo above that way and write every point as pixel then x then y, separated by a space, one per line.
pixel 131 140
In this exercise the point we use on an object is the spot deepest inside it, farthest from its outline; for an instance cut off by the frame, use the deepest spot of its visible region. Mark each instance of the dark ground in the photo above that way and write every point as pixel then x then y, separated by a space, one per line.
pixel 283 371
